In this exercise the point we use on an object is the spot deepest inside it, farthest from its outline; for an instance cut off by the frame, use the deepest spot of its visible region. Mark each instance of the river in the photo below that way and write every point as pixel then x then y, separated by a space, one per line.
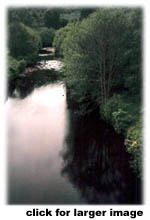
pixel 55 157
pixel 37 126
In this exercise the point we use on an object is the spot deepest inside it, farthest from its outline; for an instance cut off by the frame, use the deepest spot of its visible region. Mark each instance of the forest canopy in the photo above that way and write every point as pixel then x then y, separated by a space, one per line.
pixel 104 49
pixel 103 69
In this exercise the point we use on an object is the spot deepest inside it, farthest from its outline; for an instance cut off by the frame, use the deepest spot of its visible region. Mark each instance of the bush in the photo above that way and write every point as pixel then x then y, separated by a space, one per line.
pixel 121 111
pixel 15 67
pixel 47 36
pixel 109 107
pixel 122 119
pixel 24 42
pixel 112 105
pixel 133 144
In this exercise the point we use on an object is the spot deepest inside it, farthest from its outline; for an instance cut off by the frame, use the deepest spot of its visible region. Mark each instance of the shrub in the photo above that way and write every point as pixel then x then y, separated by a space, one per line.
pixel 112 105
pixel 15 67
pixel 121 111
pixel 133 144
pixel 121 120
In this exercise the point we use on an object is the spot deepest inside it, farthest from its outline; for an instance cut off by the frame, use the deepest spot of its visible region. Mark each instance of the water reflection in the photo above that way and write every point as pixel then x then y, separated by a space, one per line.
pixel 96 163
pixel 90 168
pixel 37 126
pixel 33 77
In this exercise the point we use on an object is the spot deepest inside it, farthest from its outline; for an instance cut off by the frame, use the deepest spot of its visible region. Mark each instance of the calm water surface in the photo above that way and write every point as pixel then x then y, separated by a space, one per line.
pixel 57 158
pixel 37 126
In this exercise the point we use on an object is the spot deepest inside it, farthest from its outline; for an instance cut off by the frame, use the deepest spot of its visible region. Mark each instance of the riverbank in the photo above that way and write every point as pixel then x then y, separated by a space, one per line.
pixel 46 70
pixel 101 171
pixel 122 112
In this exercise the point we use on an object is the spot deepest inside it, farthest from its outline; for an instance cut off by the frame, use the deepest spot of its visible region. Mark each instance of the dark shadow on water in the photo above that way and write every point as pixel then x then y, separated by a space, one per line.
pixel 96 162
pixel 25 84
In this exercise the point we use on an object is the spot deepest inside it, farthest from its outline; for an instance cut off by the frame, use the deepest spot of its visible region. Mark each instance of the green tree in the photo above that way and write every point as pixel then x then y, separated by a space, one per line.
pixel 85 12
pixel 133 53
pixel 47 36
pixel 94 49
pixel 59 38
pixel 33 17
pixel 102 57
pixel 95 53
pixel 23 42
pixel 52 18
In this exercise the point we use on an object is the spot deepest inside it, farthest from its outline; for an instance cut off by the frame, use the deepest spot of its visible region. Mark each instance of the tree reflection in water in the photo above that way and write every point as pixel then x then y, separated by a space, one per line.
pixel 96 163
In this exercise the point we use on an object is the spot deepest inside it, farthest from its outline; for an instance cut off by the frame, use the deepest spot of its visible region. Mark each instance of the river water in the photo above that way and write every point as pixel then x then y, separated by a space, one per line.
pixel 55 157
pixel 37 126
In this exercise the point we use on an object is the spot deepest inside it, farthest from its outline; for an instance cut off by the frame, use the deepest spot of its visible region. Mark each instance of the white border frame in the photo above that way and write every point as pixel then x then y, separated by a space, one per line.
pixel 16 212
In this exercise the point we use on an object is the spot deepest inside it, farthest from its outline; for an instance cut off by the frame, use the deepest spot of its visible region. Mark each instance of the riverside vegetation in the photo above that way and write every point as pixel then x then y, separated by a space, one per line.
pixel 101 49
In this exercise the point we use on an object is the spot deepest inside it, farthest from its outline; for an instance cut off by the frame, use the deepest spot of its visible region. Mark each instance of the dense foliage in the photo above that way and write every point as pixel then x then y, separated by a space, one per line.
pixel 134 144
pixel 102 56
pixel 32 17
pixel 30 28
pixel 15 67
pixel 47 35
pixel 24 42
pixel 52 18
pixel 59 38
pixel 97 50
pixel 85 12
